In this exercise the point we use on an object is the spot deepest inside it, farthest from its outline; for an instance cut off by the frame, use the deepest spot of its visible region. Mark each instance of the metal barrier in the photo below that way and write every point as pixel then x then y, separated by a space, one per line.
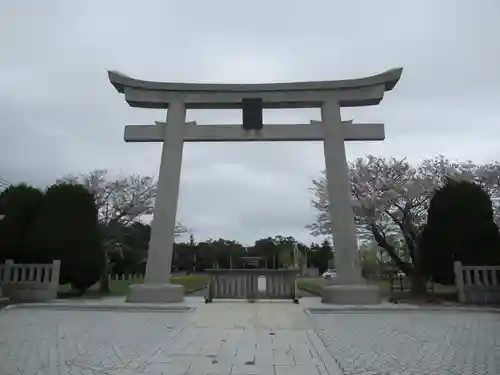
pixel 477 284
pixel 252 284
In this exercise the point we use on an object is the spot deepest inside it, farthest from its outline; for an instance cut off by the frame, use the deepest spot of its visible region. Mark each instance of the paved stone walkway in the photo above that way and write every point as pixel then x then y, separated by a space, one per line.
pixel 220 338
pixel 242 338
pixel 36 342
pixel 413 343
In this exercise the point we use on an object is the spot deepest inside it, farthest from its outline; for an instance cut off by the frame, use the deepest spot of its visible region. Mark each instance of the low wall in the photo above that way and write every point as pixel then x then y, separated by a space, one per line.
pixel 30 282
pixel 477 284
pixel 252 283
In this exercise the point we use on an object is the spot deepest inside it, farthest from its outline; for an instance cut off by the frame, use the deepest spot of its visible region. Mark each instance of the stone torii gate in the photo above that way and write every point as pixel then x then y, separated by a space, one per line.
pixel 330 96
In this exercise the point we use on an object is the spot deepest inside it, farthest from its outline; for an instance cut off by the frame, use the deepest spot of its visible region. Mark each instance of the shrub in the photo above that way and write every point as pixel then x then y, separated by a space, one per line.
pixel 67 229
pixel 459 227
pixel 20 205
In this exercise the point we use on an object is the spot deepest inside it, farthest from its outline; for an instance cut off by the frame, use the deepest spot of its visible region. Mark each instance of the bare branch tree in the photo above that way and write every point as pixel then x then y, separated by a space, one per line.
pixel 123 200
pixel 120 202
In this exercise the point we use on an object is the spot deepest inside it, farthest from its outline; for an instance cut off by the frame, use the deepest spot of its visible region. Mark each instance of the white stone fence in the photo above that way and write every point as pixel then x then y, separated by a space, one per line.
pixel 30 282
pixel 477 284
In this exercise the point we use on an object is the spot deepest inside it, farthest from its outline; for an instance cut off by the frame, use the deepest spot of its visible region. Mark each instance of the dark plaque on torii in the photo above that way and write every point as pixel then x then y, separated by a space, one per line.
pixel 252 114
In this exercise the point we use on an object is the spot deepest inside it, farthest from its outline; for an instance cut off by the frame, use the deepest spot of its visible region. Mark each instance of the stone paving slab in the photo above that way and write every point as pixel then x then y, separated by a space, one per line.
pixel 239 351
pixel 415 343
pixel 80 342
pixel 234 337
pixel 220 338
pixel 273 314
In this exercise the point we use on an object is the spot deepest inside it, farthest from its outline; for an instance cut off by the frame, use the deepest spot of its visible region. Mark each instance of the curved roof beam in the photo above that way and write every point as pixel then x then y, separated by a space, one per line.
pixel 350 92
pixel 389 79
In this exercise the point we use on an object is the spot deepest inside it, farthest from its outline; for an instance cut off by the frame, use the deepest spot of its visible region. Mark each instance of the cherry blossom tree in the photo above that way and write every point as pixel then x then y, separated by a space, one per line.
pixel 120 201
pixel 123 200
pixel 390 200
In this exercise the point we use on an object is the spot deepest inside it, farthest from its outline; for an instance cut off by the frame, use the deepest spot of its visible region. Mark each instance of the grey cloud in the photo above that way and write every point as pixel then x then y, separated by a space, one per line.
pixel 59 114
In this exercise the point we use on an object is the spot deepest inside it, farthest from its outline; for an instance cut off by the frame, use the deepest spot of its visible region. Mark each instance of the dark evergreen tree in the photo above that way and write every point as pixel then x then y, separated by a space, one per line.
pixel 320 255
pixel 19 204
pixel 459 227
pixel 67 229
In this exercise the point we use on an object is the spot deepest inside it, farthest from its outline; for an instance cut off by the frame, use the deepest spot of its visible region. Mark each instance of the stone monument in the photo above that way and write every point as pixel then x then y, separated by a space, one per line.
pixel 330 96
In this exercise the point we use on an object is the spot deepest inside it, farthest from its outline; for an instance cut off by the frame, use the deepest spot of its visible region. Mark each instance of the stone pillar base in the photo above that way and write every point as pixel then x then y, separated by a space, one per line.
pixel 359 294
pixel 155 293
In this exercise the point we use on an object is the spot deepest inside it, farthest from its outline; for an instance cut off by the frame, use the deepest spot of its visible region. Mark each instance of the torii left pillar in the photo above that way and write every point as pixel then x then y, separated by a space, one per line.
pixel 157 286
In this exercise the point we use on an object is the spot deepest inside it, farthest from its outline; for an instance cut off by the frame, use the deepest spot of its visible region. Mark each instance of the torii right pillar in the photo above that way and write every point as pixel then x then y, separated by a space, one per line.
pixel 349 288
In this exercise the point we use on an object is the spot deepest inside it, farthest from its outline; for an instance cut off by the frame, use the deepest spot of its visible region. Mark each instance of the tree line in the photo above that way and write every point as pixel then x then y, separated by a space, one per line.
pixel 418 219
pixel 81 220
pixel 192 256
pixel 93 224
pixel 423 217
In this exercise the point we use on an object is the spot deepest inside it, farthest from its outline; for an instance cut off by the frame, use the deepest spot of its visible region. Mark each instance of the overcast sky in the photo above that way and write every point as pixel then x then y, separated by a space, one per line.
pixel 60 114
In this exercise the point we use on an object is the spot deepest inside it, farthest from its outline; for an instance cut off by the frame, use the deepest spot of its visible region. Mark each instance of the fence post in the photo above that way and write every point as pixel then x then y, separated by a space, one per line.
pixel 388 276
pixel 6 274
pixel 7 271
pixel 54 277
pixel 459 281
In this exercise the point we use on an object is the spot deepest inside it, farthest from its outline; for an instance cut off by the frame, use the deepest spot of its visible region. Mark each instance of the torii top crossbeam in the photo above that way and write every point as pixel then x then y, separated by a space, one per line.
pixel 349 92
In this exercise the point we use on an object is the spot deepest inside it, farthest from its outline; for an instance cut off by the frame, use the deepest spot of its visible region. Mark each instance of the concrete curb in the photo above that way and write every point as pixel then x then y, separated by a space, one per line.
pixel 117 308
pixel 406 309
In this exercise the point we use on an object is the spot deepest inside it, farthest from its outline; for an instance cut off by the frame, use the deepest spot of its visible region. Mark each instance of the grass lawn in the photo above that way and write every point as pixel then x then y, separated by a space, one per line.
pixel 311 285
pixel 442 292
pixel 191 283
